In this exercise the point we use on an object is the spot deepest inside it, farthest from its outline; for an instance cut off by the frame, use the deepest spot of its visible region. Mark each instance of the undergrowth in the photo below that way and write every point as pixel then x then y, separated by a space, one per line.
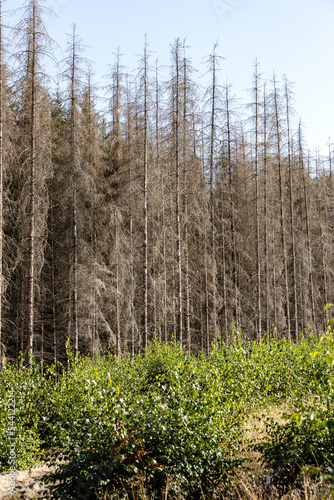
pixel 171 420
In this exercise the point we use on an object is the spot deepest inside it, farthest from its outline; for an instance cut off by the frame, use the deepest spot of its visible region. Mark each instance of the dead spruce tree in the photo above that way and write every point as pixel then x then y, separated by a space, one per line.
pixel 36 162
pixel 281 180
pixel 1 185
pixel 257 108
pixel 214 102
pixel 144 91
pixel 176 91
pixel 77 182
pixel 8 247
pixel 292 210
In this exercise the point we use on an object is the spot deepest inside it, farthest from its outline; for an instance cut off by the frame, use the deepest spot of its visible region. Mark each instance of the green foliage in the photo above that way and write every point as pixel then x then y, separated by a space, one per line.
pixel 21 415
pixel 270 372
pixel 302 440
pixel 171 422
pixel 169 415
pixel 305 441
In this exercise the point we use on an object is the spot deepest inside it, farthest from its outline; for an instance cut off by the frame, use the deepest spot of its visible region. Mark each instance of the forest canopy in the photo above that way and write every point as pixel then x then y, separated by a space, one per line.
pixel 173 212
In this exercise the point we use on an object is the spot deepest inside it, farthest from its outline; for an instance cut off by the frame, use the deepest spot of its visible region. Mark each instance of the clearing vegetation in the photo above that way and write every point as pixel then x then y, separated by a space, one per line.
pixel 244 422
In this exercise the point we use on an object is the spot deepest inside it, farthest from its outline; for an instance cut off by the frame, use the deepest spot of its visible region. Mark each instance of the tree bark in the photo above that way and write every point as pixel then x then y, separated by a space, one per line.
pixel 145 243
pixel 31 262
pixel 212 199
pixel 232 214
pixel 177 190
pixel 281 205
pixel 1 192
pixel 292 216
pixel 73 160
pixel 257 215
pixel 266 209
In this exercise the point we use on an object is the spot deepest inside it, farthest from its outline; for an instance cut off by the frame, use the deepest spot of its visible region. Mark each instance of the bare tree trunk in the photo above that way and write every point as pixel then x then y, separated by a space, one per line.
pixel 232 215
pixel 257 216
pixel 157 329
pixel 187 282
pixel 75 272
pixel 281 203
pixel 42 337
pixel 223 263
pixel 275 286
pixel 207 314
pixel 132 328
pixel 323 242
pixel 165 288
pixel 145 245
pixel 266 236
pixel 73 159
pixel 162 220
pixel 94 294
pixel 177 188
pixel 1 192
pixel 308 230
pixel 92 161
pixel 324 269
pixel 132 276
pixel 31 263
pixel 53 280
pixel 118 327
pixel 292 217
pixel 185 202
pixel 116 158
pixel 212 199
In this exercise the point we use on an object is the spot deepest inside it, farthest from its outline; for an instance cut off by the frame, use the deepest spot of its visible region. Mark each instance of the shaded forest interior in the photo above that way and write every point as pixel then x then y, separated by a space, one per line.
pixel 174 212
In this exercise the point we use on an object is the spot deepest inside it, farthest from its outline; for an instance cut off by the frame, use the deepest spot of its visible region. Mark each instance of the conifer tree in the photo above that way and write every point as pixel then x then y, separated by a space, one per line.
pixel 1 188
pixel 35 155
pixel 281 205
pixel 292 216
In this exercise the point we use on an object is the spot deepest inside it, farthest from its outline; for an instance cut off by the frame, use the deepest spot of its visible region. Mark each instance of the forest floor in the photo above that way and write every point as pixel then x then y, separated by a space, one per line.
pixel 28 484
pixel 255 430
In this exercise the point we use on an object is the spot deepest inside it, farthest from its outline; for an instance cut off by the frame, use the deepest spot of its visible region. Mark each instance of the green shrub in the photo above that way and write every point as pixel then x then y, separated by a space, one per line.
pixel 306 439
pixel 170 423
pixel 168 415
pixel 21 392
pixel 301 441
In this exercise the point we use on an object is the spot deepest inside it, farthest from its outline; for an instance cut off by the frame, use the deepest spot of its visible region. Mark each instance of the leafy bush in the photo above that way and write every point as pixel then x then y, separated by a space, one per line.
pixel 21 397
pixel 301 441
pixel 165 425
pixel 168 415
pixel 306 439
pixel 262 374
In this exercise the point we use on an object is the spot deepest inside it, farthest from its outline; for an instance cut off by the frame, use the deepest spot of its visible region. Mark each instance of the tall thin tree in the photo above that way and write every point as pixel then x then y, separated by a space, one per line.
pixel 281 205
pixel 176 137
pixel 257 214
pixel 1 189
pixel 292 216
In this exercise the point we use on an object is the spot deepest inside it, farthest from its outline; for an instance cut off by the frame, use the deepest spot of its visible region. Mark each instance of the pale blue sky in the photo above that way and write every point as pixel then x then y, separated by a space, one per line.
pixel 292 37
